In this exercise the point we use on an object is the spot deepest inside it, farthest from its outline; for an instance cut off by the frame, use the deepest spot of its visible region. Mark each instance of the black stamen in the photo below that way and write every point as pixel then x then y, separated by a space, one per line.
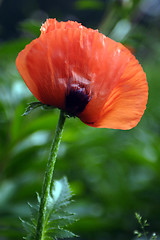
pixel 76 99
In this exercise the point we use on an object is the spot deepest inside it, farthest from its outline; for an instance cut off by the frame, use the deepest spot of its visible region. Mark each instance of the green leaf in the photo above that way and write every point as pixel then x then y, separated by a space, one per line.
pixel 33 105
pixel 58 217
pixel 61 193
pixel 28 226
pixel 62 221
pixel 60 233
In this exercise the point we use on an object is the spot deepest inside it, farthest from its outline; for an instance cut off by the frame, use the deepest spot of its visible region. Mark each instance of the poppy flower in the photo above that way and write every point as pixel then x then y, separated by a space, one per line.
pixel 86 74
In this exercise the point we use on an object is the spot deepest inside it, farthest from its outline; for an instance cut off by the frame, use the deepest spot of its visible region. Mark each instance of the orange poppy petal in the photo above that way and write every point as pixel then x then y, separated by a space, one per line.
pixel 86 74
pixel 48 63
pixel 52 24
pixel 107 64
pixel 127 101
pixel 36 71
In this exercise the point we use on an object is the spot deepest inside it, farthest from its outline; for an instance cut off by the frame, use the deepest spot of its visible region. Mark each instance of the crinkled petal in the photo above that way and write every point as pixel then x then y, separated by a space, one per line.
pixel 48 63
pixel 52 24
pixel 127 101
pixel 69 55
pixel 44 79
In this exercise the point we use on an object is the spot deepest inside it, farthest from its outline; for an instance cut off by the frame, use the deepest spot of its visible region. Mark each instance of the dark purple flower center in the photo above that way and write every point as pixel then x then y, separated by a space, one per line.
pixel 77 98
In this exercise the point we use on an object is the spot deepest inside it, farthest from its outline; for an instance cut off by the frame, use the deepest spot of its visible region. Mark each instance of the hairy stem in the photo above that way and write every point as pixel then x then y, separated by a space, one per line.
pixel 47 183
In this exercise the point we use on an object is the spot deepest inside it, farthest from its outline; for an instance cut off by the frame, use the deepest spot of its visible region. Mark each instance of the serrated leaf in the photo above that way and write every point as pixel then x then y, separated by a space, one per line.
pixel 62 193
pixel 60 233
pixel 34 213
pixel 63 213
pixel 28 226
pixel 57 216
pixel 62 221
pixel 33 208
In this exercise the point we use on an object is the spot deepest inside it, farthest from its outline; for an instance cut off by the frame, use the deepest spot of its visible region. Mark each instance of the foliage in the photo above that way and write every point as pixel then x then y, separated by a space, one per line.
pixel 143 224
pixel 58 216
pixel 35 105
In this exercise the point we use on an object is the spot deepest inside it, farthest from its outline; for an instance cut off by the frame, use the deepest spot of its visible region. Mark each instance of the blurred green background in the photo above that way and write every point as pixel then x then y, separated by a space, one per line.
pixel 112 173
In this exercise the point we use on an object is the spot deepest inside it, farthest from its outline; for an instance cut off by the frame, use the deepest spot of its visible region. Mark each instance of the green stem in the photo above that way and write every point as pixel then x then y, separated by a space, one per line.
pixel 48 177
